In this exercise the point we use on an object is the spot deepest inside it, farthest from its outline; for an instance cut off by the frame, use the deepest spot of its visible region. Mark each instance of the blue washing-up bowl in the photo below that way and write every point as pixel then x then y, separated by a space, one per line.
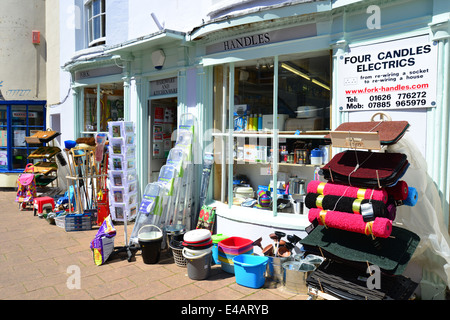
pixel 249 270
pixel 69 144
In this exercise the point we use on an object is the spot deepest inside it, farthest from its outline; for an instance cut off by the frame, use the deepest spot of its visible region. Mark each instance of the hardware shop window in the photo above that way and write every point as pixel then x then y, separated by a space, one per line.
pixel 297 89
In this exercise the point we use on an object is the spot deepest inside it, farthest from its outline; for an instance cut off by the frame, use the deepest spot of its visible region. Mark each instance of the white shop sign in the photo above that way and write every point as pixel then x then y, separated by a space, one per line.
pixel 392 75
pixel 164 86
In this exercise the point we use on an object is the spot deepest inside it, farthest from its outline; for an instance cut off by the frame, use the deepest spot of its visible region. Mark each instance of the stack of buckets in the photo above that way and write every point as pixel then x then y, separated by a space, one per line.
pixel 216 238
pixel 232 247
pixel 197 250
pixel 235 255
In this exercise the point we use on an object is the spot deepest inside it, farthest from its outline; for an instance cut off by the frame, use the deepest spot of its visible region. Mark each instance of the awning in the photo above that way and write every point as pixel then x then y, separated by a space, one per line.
pixel 154 40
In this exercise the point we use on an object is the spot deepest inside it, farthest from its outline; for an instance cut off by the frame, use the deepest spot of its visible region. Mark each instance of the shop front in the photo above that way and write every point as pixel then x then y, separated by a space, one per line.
pixel 137 81
pixel 271 90
pixel 282 82
pixel 266 88
pixel 156 96
pixel 99 97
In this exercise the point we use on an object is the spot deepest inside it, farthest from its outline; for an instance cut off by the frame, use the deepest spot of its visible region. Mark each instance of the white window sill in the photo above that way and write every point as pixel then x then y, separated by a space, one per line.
pixel 88 52
pixel 262 217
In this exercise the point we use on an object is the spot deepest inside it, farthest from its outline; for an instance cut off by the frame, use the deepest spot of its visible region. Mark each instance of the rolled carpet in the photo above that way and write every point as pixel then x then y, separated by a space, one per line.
pixel 344 204
pixel 392 211
pixel 412 198
pixel 380 227
pixel 329 188
pixel 399 191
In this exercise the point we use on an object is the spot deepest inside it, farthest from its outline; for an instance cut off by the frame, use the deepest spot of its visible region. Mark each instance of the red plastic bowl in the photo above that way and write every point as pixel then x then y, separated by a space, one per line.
pixel 235 245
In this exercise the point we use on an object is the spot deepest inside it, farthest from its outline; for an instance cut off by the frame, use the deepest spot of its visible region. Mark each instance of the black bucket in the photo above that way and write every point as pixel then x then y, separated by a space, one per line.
pixel 150 243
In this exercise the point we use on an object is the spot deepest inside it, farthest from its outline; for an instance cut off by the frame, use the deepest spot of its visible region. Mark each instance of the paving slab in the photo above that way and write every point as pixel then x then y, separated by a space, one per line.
pixel 40 261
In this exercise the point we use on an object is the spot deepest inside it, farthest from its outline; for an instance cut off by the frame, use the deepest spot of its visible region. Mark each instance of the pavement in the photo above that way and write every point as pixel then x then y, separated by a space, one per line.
pixel 40 261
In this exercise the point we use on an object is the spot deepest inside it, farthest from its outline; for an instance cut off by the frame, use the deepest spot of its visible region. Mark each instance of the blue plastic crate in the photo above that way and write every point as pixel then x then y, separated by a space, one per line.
pixel 78 222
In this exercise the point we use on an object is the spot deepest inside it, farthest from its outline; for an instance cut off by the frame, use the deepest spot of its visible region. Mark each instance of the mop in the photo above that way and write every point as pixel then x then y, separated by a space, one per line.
pixel 73 177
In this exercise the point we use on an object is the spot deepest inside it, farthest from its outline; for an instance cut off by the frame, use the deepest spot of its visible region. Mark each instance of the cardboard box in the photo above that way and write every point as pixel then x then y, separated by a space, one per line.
pixel 268 121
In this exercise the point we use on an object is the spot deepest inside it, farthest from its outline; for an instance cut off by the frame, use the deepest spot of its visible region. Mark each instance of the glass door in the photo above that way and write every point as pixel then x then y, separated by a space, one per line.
pixel 162 122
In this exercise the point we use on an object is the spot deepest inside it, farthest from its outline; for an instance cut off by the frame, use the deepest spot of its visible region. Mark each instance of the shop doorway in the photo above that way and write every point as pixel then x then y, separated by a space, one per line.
pixel 162 122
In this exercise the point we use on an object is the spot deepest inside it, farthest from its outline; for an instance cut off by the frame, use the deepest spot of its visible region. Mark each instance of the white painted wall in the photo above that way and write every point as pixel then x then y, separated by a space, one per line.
pixel 68 19
pixel 22 63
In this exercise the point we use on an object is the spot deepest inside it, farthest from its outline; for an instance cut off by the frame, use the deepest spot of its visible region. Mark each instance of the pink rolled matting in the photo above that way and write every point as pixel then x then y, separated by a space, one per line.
pixel 380 227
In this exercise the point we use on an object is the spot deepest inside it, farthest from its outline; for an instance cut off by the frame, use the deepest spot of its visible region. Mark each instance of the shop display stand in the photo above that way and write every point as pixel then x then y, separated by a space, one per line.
pixel 83 178
pixel 122 170
pixel 167 202
pixel 351 140
pixel 122 176
pixel 45 170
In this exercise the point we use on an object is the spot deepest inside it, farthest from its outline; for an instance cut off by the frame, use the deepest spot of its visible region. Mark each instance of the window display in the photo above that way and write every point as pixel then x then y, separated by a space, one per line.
pixel 297 90
pixel 110 107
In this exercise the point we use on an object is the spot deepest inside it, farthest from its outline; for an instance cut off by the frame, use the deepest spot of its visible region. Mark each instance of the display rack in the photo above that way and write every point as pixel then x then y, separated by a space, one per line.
pixel 122 170
pixel 331 238
pixel 83 178
pixel 167 203
pixel 45 170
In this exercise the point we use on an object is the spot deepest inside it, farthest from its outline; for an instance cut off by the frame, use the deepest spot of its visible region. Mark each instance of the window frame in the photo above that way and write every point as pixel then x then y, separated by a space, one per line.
pixel 9 130
pixel 90 18
pixel 226 138
pixel 98 107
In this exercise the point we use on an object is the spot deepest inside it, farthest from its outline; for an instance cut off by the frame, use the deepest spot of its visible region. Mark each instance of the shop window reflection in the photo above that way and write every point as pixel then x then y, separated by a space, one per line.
pixel 18 121
pixel 111 107
pixel 304 93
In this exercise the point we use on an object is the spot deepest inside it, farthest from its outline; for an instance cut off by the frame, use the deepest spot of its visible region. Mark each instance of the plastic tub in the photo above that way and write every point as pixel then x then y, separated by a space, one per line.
pixel 69 144
pixel 230 248
pixel 236 245
pixel 249 270
pixel 150 243
pixel 216 238
pixel 198 267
